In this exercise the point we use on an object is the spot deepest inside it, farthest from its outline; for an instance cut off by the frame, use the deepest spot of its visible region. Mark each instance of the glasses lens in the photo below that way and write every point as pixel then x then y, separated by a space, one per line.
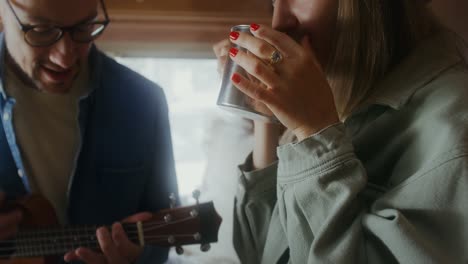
pixel 88 32
pixel 42 36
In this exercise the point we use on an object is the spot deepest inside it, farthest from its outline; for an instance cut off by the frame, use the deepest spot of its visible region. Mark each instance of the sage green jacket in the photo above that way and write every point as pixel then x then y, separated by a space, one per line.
pixel 389 185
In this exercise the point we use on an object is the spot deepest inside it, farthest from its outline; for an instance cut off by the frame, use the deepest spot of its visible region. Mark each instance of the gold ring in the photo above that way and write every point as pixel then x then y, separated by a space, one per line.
pixel 275 57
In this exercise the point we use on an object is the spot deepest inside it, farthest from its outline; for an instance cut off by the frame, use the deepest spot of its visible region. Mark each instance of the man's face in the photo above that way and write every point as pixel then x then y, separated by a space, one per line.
pixel 52 68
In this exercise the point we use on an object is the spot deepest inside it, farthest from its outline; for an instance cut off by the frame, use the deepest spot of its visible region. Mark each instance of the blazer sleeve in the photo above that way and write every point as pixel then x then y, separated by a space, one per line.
pixel 162 181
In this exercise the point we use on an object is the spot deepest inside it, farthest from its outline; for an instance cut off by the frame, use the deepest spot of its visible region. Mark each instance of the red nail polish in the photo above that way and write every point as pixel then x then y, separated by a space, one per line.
pixel 254 27
pixel 234 35
pixel 236 78
pixel 233 52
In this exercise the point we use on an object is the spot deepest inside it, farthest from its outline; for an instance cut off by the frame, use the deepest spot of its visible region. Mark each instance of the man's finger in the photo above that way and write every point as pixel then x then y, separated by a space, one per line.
pixel 2 197
pixel 126 247
pixel 71 256
pixel 9 223
pixel 108 248
pixel 90 257
pixel 140 217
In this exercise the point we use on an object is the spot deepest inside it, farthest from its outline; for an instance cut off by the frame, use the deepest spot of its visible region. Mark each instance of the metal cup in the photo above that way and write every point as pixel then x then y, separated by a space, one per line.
pixel 232 99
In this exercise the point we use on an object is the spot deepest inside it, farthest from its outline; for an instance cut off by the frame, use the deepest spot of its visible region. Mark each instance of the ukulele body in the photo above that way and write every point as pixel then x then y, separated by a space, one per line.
pixel 37 213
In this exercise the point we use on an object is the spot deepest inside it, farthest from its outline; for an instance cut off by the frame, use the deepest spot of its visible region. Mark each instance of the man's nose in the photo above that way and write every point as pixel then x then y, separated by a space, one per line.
pixel 64 52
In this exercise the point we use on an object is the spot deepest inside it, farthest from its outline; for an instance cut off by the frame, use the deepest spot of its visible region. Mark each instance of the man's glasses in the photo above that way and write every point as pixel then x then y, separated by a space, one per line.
pixel 46 35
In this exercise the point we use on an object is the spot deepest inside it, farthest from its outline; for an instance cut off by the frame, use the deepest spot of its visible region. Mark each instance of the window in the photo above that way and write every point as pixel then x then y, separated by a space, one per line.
pixel 208 142
pixel 191 88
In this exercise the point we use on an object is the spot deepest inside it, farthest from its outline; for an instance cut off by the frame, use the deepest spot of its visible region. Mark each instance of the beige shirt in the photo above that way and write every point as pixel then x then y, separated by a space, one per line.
pixel 47 132
pixel 390 185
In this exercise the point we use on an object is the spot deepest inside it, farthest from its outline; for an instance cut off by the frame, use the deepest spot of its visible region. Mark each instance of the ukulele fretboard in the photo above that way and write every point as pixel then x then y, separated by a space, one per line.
pixel 56 241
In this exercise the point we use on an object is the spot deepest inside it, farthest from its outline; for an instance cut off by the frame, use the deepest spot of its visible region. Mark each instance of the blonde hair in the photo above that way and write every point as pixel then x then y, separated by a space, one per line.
pixel 371 37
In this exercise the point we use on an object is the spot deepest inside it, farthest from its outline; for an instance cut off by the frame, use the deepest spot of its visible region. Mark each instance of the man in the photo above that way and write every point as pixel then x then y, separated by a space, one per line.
pixel 88 134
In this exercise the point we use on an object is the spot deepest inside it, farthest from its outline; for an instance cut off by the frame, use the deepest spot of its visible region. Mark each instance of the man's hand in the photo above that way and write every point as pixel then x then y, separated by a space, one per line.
pixel 9 221
pixel 116 247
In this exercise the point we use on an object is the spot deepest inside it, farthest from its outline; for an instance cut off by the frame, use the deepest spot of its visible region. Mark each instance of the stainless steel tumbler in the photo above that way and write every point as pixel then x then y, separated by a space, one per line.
pixel 232 99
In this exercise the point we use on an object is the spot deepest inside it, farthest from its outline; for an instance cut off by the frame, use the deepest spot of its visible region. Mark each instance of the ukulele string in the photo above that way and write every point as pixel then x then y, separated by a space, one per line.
pixel 70 245
pixel 55 234
pixel 148 226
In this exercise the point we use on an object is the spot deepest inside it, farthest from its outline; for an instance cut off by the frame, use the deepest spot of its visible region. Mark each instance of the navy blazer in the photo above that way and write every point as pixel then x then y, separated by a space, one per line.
pixel 125 164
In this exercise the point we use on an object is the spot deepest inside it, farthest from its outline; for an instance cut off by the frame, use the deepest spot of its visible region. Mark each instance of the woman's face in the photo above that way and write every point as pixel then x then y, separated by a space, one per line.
pixel 313 18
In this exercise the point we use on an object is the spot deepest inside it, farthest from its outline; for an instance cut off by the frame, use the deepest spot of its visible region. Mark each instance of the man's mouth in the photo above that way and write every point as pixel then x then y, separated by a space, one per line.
pixel 58 75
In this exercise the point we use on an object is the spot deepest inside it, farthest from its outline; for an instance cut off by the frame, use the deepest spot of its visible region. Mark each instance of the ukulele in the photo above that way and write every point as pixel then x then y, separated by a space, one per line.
pixel 41 241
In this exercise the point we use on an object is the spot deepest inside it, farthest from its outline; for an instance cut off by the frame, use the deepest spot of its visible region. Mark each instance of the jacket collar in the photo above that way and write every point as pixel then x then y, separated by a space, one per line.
pixel 425 63
pixel 2 66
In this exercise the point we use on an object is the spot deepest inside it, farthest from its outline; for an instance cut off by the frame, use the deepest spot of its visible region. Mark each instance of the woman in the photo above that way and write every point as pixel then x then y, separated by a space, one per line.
pixel 376 95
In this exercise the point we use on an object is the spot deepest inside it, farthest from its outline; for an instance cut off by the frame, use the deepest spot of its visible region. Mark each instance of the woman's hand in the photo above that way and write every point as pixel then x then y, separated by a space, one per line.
pixel 266 134
pixel 294 89
pixel 116 247
pixel 221 50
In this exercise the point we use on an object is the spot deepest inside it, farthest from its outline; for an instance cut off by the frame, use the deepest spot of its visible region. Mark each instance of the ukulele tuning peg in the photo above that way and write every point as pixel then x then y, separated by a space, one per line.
pixel 172 200
pixel 179 250
pixel 196 195
pixel 205 247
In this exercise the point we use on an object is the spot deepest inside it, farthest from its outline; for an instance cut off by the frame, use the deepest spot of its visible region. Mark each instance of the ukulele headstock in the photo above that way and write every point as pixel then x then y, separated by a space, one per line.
pixel 174 227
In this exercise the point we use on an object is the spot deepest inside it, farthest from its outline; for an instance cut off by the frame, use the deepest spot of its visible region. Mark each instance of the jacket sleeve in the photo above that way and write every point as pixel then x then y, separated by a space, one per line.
pixel 152 255
pixel 253 206
pixel 326 221
pixel 162 179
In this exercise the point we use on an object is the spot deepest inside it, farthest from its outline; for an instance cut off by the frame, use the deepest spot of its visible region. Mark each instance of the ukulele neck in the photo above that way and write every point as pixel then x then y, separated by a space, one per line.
pixel 198 224
pixel 58 241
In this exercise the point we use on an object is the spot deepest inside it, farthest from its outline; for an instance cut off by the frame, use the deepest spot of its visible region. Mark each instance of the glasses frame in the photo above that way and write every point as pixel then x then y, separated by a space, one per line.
pixel 26 28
